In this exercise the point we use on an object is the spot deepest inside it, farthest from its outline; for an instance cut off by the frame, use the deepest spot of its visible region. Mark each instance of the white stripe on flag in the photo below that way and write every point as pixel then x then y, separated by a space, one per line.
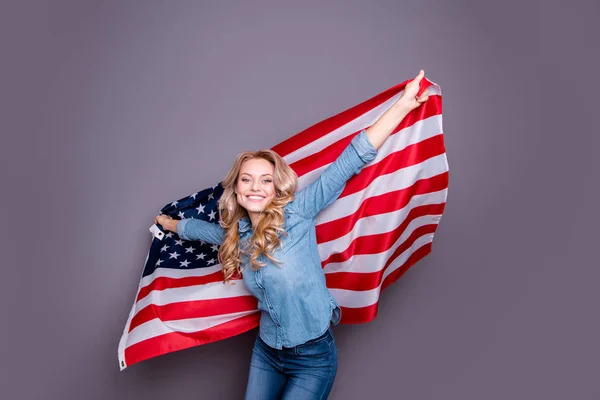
pixel 213 290
pixel 156 327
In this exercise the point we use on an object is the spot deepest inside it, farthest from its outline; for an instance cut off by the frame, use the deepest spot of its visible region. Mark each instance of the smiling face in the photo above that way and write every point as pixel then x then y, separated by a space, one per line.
pixel 255 188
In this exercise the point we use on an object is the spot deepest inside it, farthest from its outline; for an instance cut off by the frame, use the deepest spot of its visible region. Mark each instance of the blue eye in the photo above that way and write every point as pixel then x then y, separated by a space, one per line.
pixel 266 180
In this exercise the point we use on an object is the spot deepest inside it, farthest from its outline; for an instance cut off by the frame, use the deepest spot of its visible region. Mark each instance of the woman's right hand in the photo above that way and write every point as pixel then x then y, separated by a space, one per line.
pixel 166 222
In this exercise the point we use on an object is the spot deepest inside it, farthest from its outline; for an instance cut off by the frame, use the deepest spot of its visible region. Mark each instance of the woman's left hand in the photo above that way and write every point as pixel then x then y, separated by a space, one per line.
pixel 409 99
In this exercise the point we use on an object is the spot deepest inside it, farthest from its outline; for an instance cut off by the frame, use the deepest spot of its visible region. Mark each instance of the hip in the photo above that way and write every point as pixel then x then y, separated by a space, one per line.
pixel 322 346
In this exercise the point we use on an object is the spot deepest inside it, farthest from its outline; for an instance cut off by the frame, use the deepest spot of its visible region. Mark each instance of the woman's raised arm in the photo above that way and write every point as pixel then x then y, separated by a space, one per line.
pixel 362 149
pixel 385 125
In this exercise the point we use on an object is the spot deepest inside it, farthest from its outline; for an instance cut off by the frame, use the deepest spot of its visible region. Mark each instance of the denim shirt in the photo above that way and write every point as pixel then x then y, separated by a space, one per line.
pixel 294 301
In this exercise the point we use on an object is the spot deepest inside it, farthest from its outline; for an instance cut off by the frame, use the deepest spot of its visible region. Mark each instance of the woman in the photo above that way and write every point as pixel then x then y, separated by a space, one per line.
pixel 268 226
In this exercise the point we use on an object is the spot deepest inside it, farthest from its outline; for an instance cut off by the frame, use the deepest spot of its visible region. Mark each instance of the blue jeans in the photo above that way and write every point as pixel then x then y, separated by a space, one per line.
pixel 302 372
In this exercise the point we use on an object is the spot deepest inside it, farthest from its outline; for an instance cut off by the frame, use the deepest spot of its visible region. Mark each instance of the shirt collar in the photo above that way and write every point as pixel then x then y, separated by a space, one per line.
pixel 244 224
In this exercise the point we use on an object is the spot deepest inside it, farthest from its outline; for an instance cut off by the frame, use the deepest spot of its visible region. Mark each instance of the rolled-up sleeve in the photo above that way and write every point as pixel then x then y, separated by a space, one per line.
pixel 197 229
pixel 363 146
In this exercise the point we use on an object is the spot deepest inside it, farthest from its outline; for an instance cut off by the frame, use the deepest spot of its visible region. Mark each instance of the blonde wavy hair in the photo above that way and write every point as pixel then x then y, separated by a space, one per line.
pixel 266 237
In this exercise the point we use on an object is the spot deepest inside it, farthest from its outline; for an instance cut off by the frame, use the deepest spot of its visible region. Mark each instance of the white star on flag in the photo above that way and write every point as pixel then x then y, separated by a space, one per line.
pixel 190 249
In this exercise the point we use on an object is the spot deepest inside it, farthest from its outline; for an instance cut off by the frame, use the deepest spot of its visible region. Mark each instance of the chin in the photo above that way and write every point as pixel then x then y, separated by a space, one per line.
pixel 255 209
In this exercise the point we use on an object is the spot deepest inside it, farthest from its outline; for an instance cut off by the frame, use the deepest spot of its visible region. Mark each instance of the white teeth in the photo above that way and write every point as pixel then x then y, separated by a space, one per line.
pixel 255 197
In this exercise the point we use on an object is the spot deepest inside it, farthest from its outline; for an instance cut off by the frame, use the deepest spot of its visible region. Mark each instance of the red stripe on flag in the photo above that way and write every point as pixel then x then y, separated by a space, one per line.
pixel 193 309
pixel 163 282
pixel 359 315
pixel 415 257
pixel 323 157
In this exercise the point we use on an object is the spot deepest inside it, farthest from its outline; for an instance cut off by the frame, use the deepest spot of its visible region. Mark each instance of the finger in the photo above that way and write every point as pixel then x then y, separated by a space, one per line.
pixel 424 93
pixel 420 76
pixel 419 97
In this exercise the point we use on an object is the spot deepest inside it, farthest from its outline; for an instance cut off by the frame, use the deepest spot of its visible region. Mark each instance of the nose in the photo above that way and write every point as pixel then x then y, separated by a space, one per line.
pixel 255 186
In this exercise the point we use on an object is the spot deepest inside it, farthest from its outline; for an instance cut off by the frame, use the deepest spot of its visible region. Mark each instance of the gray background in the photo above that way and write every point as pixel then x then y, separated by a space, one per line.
pixel 111 109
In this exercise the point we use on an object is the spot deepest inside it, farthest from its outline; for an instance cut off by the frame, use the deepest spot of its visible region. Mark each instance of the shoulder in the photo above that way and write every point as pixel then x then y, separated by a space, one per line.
pixel 290 210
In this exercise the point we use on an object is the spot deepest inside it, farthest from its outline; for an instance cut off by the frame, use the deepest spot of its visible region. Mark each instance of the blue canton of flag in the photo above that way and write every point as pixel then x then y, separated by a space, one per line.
pixel 172 251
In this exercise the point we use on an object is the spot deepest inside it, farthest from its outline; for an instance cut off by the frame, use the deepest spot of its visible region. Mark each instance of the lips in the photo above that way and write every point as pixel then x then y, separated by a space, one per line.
pixel 255 198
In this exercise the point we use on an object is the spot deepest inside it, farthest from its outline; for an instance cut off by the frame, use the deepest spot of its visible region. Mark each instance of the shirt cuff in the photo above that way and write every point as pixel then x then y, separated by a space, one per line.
pixel 181 227
pixel 364 147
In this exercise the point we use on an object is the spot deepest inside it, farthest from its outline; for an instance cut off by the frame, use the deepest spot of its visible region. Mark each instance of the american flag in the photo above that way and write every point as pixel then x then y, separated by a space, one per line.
pixel 382 223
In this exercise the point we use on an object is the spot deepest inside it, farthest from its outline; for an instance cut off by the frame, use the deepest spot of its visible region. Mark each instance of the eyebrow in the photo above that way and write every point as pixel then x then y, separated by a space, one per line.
pixel 245 173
